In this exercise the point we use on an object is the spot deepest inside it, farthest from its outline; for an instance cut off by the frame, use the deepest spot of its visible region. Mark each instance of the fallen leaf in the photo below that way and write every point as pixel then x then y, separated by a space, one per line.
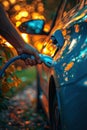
pixel 27 122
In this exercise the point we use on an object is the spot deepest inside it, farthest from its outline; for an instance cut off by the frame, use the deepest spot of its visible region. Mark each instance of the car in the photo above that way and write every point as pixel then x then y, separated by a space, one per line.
pixel 62 87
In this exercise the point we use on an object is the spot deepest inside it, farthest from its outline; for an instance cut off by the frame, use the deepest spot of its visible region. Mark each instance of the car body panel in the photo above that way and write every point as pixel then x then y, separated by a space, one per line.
pixel 70 73
pixel 67 45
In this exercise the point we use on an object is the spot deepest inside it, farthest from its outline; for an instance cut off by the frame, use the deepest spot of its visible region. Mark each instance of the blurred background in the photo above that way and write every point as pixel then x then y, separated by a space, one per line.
pixel 20 11
pixel 19 77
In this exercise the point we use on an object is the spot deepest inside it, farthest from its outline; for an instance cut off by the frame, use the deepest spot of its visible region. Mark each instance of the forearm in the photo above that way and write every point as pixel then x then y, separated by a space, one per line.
pixel 8 31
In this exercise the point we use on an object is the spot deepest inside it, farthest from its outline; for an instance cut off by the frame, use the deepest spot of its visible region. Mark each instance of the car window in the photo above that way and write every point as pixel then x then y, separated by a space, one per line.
pixel 69 5
pixel 71 8
pixel 50 8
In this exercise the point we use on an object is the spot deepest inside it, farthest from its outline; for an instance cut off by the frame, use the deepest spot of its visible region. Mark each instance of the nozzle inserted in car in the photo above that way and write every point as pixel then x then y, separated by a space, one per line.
pixel 47 60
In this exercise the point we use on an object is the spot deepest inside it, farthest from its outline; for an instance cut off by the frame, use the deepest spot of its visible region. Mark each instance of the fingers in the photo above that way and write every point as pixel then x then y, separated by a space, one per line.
pixel 27 49
pixel 37 58
pixel 31 62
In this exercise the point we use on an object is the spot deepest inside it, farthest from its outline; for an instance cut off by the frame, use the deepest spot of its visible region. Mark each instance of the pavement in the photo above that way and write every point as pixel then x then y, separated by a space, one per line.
pixel 21 113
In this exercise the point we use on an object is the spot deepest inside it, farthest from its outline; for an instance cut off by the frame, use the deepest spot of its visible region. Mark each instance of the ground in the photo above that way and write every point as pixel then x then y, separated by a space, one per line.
pixel 21 113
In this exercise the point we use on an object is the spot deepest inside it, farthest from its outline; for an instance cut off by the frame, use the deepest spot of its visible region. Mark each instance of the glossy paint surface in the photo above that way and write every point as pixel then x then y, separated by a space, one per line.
pixel 70 72
pixel 67 45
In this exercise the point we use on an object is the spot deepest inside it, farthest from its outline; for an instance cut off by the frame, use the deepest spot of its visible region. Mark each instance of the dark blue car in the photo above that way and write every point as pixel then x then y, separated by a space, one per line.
pixel 62 88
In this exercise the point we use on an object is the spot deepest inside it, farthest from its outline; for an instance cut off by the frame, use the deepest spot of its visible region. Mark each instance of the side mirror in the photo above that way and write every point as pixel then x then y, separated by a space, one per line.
pixel 33 27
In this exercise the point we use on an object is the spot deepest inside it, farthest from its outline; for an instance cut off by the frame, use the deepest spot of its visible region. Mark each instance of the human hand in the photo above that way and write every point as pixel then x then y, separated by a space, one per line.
pixel 27 49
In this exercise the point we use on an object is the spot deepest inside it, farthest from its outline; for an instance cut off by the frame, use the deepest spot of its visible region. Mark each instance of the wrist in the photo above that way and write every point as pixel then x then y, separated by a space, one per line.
pixel 21 49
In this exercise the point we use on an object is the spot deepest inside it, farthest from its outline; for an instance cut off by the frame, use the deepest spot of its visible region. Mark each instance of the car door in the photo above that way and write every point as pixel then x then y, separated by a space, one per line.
pixel 49 49
pixel 72 62
pixel 73 27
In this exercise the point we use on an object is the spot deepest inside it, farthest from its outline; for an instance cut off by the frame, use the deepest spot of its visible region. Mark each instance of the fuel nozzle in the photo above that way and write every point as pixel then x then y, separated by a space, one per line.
pixel 47 60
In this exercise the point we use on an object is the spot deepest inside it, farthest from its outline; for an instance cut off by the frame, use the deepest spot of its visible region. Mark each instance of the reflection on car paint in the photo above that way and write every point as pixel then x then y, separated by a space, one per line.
pixel 72 45
pixel 70 70
pixel 69 66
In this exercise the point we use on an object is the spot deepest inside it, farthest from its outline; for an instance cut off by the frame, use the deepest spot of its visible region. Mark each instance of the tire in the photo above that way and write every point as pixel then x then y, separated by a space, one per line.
pixel 54 115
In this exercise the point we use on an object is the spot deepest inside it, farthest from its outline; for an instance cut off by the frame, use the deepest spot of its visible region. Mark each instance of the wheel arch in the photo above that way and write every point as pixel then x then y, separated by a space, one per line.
pixel 52 93
pixel 52 89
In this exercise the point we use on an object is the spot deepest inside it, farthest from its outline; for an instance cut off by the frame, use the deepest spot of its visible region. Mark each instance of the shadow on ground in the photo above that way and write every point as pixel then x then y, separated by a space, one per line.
pixel 21 113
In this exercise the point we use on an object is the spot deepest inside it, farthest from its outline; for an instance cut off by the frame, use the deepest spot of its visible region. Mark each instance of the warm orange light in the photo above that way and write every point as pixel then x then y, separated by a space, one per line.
pixel 18 23
pixel 17 7
pixel 45 51
pixel 37 16
pixel 6 4
pixel 12 1
pixel 64 32
pixel 21 14
pixel 40 7
pixel 18 17
pixel 49 48
pixel 25 37
pixel 8 44
pixel 38 46
pixel 46 27
pixel 69 66
pixel 77 28
pixel 76 18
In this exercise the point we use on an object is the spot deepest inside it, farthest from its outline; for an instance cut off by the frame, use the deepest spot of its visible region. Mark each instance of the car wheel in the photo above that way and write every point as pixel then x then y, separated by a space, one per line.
pixel 55 116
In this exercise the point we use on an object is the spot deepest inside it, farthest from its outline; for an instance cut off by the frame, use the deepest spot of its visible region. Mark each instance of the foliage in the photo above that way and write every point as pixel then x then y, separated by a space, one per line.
pixel 27 75
pixel 8 80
